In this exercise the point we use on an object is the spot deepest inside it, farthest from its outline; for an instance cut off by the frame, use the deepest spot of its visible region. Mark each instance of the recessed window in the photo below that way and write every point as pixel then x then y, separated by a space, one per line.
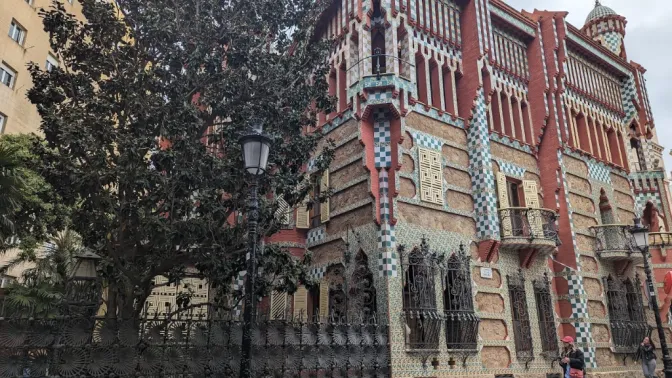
pixel 17 32
pixel 51 63
pixel 3 122
pixel 7 75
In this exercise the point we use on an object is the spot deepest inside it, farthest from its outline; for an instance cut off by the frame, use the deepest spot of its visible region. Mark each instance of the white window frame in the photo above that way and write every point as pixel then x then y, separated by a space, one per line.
pixel 3 122
pixel 17 32
pixel 51 63
pixel 7 70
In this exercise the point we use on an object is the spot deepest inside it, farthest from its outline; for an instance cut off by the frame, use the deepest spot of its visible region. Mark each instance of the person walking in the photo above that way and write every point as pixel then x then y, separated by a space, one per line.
pixel 648 356
pixel 572 361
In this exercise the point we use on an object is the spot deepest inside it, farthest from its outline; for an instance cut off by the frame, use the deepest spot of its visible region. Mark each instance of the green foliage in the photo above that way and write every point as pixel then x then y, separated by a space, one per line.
pixel 43 283
pixel 29 209
pixel 192 74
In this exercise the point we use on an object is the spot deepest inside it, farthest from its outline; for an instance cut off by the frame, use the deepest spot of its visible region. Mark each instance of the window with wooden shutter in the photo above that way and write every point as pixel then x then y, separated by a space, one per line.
pixel 301 303
pixel 278 305
pixel 431 177
pixel 324 300
pixel 324 188
pixel 303 216
pixel 503 196
pixel 283 214
pixel 534 215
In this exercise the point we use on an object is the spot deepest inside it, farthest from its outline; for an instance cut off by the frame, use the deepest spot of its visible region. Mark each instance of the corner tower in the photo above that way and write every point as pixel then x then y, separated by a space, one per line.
pixel 607 28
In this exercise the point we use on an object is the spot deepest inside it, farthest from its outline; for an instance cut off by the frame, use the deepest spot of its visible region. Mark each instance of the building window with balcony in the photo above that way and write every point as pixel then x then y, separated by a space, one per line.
pixel 7 75
pixel 626 313
pixel 423 321
pixel 520 315
pixel 520 213
pixel 545 310
pixel 17 32
pixel 461 320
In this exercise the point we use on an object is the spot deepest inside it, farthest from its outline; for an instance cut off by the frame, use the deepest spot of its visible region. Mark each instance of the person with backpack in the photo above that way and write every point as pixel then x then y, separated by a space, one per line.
pixel 571 360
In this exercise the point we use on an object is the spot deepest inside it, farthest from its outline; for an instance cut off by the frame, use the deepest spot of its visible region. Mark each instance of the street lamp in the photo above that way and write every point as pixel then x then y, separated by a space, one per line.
pixel 641 239
pixel 256 148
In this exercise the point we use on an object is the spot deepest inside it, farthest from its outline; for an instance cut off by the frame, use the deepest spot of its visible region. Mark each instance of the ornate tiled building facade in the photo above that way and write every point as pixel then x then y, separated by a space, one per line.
pixel 487 163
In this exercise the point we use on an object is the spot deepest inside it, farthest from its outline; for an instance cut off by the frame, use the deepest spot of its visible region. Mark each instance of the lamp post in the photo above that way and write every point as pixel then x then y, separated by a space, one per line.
pixel 641 239
pixel 256 148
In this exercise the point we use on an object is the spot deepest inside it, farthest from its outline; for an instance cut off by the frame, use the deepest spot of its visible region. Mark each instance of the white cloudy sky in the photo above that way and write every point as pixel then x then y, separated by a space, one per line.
pixel 646 42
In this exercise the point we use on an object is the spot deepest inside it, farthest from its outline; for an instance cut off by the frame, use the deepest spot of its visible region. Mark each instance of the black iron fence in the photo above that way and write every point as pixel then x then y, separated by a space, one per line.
pixel 190 345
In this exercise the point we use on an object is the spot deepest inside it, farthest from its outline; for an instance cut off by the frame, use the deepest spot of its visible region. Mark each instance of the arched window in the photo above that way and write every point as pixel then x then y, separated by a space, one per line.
pixel 423 322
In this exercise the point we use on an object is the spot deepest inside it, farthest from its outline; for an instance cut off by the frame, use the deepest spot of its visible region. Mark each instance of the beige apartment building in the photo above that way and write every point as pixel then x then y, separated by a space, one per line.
pixel 23 40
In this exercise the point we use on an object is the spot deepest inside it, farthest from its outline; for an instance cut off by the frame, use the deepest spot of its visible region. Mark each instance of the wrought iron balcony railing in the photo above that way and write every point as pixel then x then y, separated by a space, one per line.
pixel 523 227
pixel 613 242
pixel 660 239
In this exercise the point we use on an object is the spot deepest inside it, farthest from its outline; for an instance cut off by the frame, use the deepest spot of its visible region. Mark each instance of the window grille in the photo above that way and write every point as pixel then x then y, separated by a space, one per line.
pixel 423 321
pixel 461 320
pixel 626 313
pixel 545 309
pixel 346 294
pixel 520 315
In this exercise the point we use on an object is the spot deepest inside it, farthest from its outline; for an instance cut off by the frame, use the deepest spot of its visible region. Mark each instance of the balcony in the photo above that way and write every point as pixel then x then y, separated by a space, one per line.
pixel 613 241
pixel 523 228
pixel 660 239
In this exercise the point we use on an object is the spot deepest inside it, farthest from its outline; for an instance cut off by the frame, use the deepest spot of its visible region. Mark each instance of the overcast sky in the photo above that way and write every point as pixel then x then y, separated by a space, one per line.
pixel 646 42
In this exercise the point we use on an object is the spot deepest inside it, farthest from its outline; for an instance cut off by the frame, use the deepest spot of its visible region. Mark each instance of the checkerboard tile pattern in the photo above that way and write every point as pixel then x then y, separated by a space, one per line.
pixel 316 234
pixel 642 198
pixel 482 179
pixel 426 141
pixel 599 172
pixel 387 258
pixel 613 41
pixel 510 169
pixel 576 290
pixel 629 95
pixel 382 138
pixel 239 284
pixel 317 273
